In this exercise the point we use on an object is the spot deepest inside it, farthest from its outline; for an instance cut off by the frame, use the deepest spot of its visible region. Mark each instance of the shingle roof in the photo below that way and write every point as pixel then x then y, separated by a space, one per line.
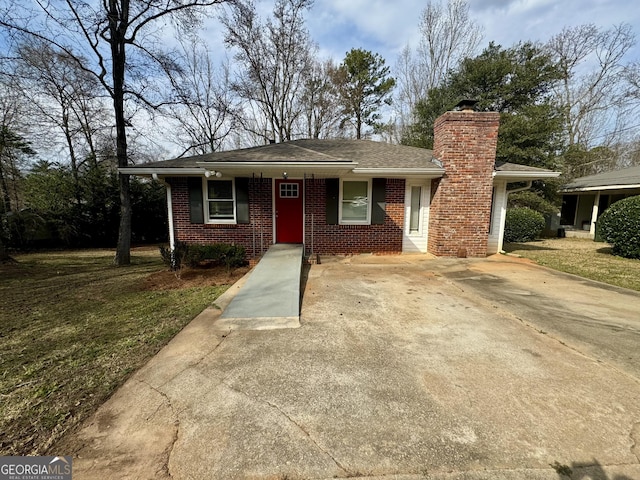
pixel 624 177
pixel 515 167
pixel 367 153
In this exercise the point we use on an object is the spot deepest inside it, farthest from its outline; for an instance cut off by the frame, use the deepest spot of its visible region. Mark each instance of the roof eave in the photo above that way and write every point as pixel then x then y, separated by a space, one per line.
pixel 599 188
pixel 515 176
pixel 277 168
pixel 248 167
pixel 276 164
pixel 433 172
pixel 163 171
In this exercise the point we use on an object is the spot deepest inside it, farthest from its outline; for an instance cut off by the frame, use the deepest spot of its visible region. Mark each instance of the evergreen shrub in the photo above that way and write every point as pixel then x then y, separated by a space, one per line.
pixel 619 225
pixel 523 225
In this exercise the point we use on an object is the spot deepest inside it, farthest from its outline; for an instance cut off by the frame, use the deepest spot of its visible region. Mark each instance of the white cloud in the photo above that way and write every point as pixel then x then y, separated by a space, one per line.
pixel 377 25
pixel 386 27
pixel 507 23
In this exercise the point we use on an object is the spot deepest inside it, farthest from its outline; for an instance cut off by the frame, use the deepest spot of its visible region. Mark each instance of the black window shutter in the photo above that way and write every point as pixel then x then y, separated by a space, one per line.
pixel 378 203
pixel 242 200
pixel 196 206
pixel 332 194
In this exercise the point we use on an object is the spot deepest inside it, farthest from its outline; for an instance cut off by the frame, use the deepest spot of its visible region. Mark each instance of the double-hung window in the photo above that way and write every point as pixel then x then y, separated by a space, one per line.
pixel 220 201
pixel 355 202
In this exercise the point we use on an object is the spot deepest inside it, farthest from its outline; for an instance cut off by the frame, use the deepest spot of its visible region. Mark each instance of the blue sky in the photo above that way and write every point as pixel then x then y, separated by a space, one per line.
pixel 385 26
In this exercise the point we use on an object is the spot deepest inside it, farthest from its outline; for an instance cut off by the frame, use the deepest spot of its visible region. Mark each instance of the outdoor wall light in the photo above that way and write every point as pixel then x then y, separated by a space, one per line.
pixel 284 175
pixel 208 173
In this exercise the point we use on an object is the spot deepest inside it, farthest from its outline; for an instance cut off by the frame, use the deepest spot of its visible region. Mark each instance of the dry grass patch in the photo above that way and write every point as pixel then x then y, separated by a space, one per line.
pixel 582 257
pixel 74 327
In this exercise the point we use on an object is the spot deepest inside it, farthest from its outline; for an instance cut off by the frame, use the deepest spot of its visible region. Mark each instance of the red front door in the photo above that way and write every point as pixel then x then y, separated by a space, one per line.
pixel 289 211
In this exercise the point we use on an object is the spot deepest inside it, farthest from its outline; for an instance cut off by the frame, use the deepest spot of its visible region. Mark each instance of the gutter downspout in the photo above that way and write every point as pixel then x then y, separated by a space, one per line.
pixel 521 189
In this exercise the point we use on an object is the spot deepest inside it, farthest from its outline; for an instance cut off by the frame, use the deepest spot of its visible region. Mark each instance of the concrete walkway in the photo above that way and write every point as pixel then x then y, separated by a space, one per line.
pixel 270 298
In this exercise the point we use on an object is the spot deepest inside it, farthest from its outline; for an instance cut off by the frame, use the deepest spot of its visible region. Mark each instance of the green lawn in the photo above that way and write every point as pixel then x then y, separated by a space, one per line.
pixel 74 327
pixel 582 257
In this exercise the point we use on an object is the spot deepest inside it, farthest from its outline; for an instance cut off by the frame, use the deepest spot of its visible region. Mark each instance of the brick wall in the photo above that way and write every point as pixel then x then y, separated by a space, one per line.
pixel 465 143
pixel 349 239
pixel 256 237
pixel 327 239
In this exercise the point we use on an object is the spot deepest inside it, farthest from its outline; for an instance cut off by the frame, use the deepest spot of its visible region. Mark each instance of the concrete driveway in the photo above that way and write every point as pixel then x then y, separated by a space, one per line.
pixel 600 320
pixel 402 369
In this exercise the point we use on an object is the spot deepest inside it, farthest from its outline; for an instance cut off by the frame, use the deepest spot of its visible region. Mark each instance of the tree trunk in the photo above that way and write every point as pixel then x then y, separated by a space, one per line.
pixel 6 204
pixel 123 251
pixel 72 156
pixel 119 18
pixel 6 197
pixel 4 254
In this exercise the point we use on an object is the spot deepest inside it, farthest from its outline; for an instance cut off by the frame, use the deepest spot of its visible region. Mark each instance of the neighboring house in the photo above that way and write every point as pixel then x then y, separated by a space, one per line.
pixel 349 196
pixel 586 198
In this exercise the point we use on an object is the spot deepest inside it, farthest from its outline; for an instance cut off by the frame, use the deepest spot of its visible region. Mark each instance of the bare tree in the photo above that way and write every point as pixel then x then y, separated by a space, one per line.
pixel 410 89
pixel 115 41
pixel 14 143
pixel 448 34
pixel 206 108
pixel 14 147
pixel 632 76
pixel 274 58
pixel 632 154
pixel 320 103
pixel 65 97
pixel 592 91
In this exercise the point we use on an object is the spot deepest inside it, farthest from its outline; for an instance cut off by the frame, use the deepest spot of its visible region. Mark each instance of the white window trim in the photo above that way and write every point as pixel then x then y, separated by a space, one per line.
pixel 288 183
pixel 205 197
pixel 369 193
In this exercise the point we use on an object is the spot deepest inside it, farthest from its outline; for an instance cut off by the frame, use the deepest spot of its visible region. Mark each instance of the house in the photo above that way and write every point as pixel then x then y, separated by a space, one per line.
pixel 349 196
pixel 586 198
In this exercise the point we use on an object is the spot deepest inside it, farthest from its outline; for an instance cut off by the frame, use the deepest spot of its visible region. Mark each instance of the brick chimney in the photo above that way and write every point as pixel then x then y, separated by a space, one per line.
pixel 460 212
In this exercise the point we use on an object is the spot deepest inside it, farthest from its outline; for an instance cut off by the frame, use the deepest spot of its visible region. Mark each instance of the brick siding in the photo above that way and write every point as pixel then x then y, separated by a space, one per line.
pixel 326 239
pixel 351 239
pixel 256 237
pixel 460 212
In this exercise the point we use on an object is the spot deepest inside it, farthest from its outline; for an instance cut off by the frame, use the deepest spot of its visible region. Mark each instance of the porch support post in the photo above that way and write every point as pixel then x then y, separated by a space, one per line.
pixel 500 212
pixel 594 215
pixel 172 239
